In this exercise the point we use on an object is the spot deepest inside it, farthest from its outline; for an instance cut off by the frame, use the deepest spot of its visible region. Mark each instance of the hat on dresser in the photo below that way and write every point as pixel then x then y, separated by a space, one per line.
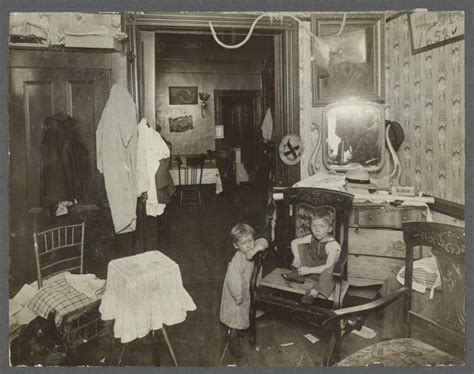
pixel 359 178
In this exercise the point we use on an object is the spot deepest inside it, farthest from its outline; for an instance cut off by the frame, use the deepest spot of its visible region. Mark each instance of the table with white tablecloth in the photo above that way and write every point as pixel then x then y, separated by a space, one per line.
pixel 143 293
pixel 209 176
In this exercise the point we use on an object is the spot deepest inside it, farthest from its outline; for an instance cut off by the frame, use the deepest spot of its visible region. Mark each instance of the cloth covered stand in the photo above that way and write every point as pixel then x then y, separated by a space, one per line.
pixel 143 293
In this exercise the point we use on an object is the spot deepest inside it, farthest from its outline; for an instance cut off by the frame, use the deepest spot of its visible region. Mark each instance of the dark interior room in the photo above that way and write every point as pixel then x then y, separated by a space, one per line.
pixel 237 189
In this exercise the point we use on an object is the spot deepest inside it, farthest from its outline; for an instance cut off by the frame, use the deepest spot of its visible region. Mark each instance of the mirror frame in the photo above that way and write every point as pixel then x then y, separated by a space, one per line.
pixel 352 101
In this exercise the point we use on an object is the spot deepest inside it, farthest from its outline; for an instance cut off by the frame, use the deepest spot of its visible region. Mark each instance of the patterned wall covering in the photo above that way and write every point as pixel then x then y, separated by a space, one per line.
pixel 425 94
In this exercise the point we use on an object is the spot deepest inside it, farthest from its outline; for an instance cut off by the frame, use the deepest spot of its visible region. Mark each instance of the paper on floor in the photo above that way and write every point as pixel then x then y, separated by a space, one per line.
pixel 311 338
pixel 25 316
pixel 13 307
pixel 365 332
pixel 24 296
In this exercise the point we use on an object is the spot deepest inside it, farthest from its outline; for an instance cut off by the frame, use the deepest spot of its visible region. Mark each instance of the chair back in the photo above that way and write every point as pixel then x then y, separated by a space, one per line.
pixel 302 203
pixel 448 246
pixel 191 172
pixel 58 250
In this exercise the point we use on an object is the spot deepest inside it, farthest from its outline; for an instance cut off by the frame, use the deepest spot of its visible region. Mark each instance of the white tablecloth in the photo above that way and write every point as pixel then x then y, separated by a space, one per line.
pixel 144 292
pixel 209 176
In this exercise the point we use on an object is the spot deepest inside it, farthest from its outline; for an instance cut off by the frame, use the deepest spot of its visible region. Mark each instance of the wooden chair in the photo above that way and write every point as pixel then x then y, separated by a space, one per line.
pixel 59 250
pixel 448 247
pixel 225 162
pixel 190 179
pixel 275 294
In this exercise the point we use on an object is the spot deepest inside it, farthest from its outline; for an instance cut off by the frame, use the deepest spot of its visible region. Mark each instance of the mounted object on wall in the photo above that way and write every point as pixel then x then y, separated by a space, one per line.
pixel 181 124
pixel 219 132
pixel 183 95
pixel 203 97
pixel 434 29
pixel 355 59
pixel 291 149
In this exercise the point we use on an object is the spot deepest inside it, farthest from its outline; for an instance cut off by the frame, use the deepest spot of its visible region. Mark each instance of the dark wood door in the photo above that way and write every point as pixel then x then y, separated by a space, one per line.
pixel 41 84
pixel 240 112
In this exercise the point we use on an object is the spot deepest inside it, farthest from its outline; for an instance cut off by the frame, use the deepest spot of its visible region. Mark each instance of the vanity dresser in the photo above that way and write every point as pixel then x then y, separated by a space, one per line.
pixel 376 247
pixel 355 135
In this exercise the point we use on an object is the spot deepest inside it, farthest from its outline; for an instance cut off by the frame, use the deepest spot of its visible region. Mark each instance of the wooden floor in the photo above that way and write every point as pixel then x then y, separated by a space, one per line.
pixel 197 239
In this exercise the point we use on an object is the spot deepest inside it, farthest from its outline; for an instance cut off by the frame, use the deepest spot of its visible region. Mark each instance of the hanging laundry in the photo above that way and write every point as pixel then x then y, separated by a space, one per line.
pixel 267 125
pixel 165 187
pixel 116 138
pixel 150 151
pixel 64 165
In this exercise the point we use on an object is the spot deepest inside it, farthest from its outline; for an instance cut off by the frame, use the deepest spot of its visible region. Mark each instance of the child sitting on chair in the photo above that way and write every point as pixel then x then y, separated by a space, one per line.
pixel 235 302
pixel 318 258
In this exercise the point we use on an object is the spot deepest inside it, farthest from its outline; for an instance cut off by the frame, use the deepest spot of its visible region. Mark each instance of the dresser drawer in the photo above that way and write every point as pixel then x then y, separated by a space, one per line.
pixel 384 243
pixel 374 270
pixel 383 216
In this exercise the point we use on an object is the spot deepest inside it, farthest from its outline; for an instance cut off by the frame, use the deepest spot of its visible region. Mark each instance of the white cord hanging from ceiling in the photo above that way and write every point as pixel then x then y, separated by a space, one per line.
pixel 271 15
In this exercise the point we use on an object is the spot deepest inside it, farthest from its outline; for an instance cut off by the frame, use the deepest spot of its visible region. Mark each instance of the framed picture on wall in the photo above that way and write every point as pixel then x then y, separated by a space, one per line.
pixel 434 29
pixel 183 95
pixel 354 64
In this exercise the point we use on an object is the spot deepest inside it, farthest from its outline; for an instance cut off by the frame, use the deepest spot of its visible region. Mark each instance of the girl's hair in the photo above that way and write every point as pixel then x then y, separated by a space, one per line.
pixel 240 230
pixel 324 214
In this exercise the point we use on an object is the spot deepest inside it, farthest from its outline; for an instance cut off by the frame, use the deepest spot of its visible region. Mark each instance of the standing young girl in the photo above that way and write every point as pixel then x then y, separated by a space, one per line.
pixel 235 302
pixel 317 259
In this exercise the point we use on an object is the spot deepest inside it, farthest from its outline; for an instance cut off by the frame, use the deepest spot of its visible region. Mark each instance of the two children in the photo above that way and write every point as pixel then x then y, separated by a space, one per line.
pixel 316 259
pixel 235 302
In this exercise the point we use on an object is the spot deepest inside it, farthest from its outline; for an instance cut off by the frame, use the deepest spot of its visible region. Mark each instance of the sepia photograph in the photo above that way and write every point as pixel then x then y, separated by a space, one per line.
pixel 237 189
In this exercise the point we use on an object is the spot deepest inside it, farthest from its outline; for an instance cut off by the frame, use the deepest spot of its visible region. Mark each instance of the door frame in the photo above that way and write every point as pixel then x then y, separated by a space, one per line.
pixel 286 43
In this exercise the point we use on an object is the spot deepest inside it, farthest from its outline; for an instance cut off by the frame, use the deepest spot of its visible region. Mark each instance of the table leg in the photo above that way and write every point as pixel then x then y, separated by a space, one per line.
pixel 169 346
pixel 122 354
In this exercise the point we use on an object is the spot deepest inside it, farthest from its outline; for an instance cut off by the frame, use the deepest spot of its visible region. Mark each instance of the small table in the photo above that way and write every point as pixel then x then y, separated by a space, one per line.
pixel 209 176
pixel 144 292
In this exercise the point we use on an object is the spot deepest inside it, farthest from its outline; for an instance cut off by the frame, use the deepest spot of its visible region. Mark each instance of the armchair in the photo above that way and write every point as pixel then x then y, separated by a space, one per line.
pixel 448 247
pixel 274 293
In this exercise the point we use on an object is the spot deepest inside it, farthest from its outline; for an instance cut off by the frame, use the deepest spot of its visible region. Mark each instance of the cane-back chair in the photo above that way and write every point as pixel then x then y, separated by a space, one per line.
pixel 74 317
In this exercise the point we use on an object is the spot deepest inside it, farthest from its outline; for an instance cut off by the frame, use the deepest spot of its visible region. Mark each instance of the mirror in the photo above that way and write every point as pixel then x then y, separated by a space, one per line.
pixel 353 135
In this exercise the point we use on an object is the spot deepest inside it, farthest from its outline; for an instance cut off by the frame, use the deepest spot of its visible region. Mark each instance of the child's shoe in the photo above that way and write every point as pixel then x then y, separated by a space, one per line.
pixel 293 276
pixel 235 348
pixel 308 299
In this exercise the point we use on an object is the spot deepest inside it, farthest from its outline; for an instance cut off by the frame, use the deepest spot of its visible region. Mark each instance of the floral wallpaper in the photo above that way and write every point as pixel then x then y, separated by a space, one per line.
pixel 425 94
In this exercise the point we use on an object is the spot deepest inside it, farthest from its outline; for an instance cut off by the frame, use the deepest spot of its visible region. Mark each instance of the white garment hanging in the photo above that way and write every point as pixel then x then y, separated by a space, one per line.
pixel 267 125
pixel 151 149
pixel 116 138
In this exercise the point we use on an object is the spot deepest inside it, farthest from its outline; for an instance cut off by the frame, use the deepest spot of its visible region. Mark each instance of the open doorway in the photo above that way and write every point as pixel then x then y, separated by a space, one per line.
pixel 239 112
pixel 281 70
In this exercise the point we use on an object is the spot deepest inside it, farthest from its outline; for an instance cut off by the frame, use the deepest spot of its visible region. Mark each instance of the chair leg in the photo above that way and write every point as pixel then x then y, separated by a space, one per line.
pixel 253 326
pixel 199 196
pixel 181 198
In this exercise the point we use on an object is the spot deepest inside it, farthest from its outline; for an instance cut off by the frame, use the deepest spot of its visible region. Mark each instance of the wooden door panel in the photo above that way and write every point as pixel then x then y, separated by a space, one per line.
pixel 39 103
pixel 35 93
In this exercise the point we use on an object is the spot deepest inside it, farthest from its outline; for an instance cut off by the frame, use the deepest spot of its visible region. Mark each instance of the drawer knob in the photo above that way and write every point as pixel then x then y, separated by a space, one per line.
pixel 371 217
pixel 399 245
pixel 404 218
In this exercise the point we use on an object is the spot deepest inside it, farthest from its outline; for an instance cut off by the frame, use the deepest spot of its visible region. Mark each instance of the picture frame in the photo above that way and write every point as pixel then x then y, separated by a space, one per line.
pixel 345 78
pixel 183 95
pixel 434 29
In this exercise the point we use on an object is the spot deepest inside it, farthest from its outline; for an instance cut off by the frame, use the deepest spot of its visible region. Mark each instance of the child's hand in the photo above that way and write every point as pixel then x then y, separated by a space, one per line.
pixel 296 263
pixel 304 270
